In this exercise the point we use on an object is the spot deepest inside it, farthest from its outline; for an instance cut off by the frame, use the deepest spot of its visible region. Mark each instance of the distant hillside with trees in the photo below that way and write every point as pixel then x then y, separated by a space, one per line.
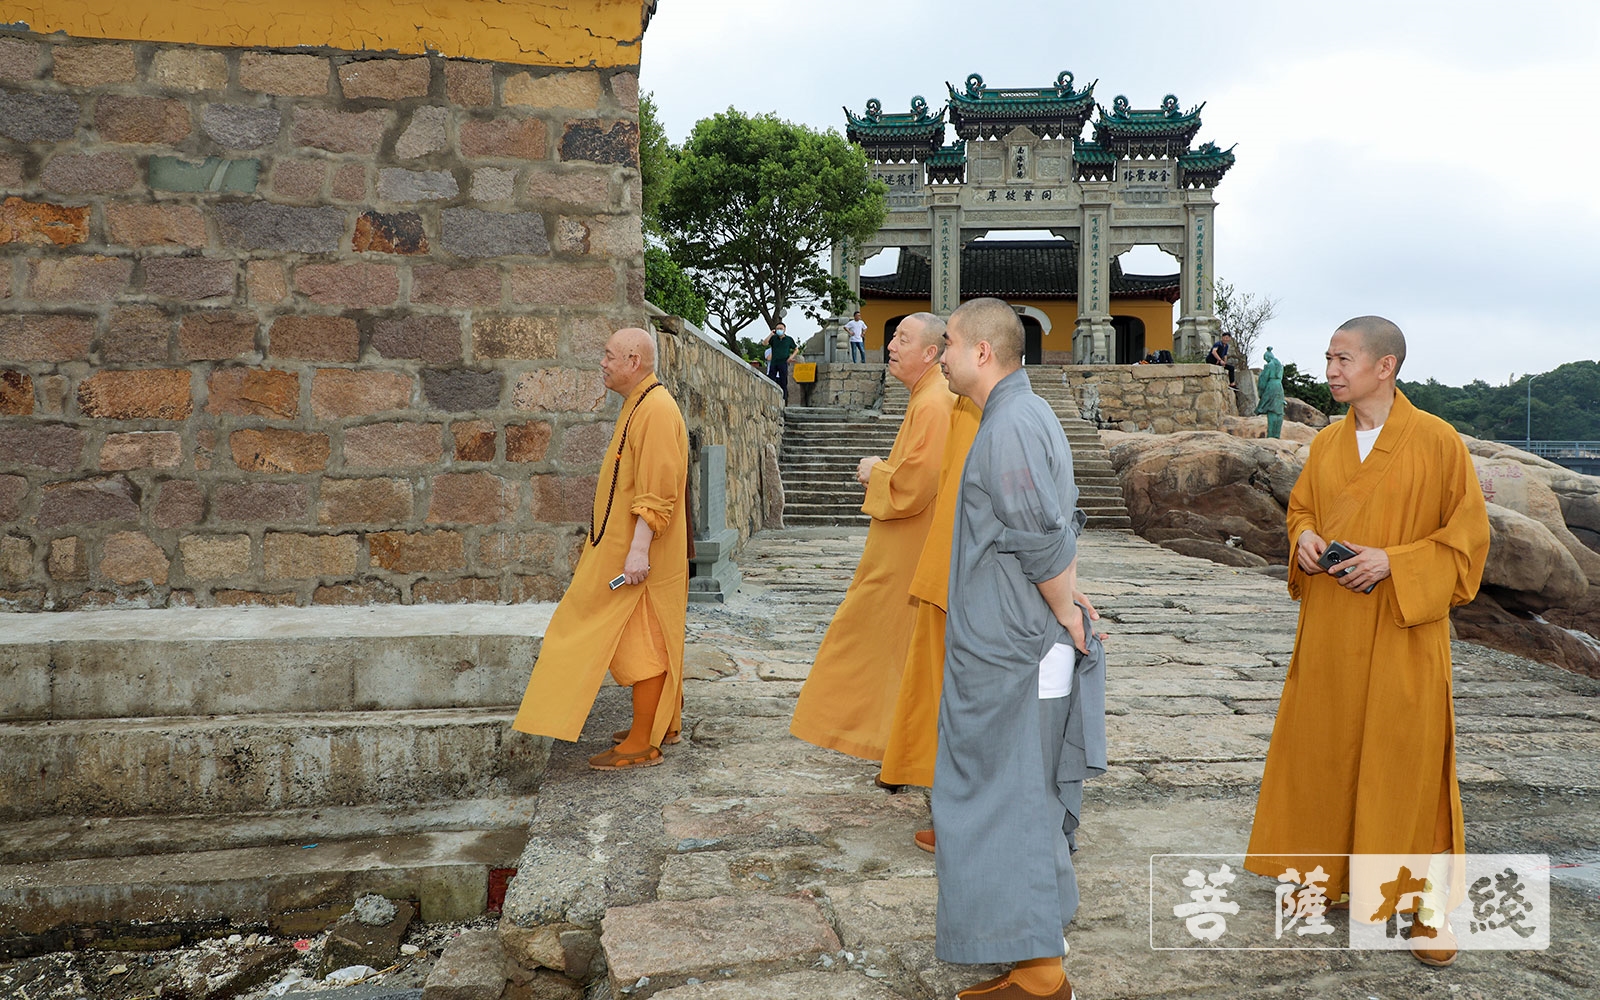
pixel 1566 404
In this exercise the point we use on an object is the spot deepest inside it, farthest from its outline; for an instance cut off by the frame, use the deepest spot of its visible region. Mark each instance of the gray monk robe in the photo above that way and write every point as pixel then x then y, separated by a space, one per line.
pixel 1008 780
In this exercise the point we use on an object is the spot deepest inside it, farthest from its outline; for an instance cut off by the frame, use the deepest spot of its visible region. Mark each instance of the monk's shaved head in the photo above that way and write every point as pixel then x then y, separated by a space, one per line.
pixel 1379 338
pixel 996 323
pixel 632 340
pixel 929 328
pixel 630 358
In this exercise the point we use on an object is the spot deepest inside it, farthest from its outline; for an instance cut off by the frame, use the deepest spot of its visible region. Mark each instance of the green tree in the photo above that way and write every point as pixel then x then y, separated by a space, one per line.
pixel 669 289
pixel 1564 404
pixel 1242 314
pixel 657 155
pixel 752 204
pixel 1303 387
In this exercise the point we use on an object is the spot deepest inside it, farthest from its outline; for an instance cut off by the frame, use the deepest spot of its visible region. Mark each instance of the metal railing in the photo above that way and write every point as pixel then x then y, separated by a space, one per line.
pixel 1558 449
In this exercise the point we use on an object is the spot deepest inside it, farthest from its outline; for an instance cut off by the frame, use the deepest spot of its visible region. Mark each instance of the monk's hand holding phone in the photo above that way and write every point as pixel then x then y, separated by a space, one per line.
pixel 1358 567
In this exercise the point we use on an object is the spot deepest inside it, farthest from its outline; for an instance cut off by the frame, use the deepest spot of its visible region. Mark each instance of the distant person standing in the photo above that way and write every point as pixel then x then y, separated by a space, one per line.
pixel 858 339
pixel 781 349
pixel 1219 357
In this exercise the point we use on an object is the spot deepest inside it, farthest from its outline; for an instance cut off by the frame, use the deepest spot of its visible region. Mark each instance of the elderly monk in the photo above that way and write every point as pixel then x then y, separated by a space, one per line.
pixel 626 605
pixel 914 729
pixel 1362 759
pixel 1022 710
pixel 849 696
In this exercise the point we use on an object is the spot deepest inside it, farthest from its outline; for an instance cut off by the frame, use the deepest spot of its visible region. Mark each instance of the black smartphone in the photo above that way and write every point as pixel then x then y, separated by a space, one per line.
pixel 1338 552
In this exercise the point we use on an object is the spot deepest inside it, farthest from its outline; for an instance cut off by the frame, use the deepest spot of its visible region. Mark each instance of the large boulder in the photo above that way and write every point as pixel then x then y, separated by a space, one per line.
pixel 1526 490
pixel 1302 412
pixel 1529 567
pixel 1256 427
pixel 1578 495
pixel 1208 485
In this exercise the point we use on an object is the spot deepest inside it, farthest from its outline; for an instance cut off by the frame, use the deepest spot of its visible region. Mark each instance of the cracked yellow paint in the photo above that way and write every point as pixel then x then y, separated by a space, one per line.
pixel 599 33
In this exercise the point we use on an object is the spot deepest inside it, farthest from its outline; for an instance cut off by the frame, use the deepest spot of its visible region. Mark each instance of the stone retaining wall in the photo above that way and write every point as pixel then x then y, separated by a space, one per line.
pixel 1157 398
pixel 308 327
pixel 726 402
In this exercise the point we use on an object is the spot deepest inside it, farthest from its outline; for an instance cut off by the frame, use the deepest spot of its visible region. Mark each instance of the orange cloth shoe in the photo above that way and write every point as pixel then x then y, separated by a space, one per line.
pixel 1002 988
pixel 614 760
pixel 924 840
pixel 1433 947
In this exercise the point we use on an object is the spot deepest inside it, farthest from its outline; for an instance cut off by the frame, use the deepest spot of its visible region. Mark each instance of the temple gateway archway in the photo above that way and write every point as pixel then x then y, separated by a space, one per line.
pixel 1020 162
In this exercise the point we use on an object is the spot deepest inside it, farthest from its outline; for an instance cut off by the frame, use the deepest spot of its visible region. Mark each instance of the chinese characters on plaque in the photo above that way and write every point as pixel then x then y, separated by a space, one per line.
pixel 1491 901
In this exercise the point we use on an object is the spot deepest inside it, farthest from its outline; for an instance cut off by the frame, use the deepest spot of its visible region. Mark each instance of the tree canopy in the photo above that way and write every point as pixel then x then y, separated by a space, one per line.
pixel 1565 404
pixel 751 205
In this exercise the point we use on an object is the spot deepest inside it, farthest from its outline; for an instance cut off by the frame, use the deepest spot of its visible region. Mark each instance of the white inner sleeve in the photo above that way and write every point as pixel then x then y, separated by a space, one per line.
pixel 1366 439
pixel 1055 671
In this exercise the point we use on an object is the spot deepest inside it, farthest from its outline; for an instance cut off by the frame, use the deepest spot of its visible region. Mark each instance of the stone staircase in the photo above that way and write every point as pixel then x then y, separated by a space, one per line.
pixel 164 773
pixel 821 448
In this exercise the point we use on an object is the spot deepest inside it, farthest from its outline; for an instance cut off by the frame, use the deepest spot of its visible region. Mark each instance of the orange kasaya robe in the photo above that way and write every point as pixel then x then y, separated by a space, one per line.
pixel 849 695
pixel 1362 759
pixel 914 731
pixel 596 628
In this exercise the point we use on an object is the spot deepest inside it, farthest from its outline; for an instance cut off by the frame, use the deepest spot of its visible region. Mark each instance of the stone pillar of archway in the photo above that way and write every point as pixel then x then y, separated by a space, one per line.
pixel 944 258
pixel 1093 335
pixel 1197 324
pixel 846 263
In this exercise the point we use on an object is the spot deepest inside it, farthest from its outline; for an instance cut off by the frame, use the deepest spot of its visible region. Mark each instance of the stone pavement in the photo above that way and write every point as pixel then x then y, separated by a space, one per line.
pixel 751 864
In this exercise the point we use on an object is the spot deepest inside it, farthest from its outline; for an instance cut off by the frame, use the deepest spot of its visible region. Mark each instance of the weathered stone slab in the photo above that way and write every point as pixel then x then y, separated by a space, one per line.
pixel 884 910
pixel 715 818
pixel 793 986
pixel 1215 738
pixel 788 767
pixel 682 938
pixel 1224 774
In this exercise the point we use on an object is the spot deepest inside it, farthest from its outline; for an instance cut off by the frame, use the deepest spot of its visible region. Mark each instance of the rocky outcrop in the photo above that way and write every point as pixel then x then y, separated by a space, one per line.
pixel 1256 427
pixel 1223 496
pixel 1209 486
pixel 1302 412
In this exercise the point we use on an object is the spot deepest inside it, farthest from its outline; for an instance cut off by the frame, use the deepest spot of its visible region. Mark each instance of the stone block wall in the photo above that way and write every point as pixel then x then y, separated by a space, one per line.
pixel 852 386
pixel 726 402
pixel 1161 399
pixel 304 327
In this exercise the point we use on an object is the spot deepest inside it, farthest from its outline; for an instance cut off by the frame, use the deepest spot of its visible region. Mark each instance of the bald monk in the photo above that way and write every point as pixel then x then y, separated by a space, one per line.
pixel 914 730
pixel 849 696
pixel 1362 759
pixel 638 531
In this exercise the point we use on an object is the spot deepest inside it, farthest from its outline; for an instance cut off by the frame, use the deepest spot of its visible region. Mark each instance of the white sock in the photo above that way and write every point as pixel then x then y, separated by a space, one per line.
pixel 1436 897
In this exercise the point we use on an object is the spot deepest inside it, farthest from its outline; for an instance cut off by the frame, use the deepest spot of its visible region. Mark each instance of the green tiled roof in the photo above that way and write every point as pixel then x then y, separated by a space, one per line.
pixel 1163 131
pixel 1205 166
pixel 907 136
pixel 978 112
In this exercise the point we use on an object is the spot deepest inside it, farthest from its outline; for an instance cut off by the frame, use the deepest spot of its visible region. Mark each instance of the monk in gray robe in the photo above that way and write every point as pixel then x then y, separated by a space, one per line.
pixel 1022 715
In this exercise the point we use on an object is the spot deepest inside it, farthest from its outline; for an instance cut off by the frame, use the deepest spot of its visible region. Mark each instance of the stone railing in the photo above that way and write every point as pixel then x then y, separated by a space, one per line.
pixel 725 401
pixel 304 328
pixel 1156 398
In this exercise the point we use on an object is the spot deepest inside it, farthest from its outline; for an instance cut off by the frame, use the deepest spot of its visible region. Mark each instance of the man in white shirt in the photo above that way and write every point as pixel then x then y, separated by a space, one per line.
pixel 858 343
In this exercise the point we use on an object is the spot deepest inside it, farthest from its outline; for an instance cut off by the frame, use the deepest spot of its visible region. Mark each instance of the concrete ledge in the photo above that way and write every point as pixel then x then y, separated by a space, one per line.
pixel 164 899
pixel 119 664
pixel 230 764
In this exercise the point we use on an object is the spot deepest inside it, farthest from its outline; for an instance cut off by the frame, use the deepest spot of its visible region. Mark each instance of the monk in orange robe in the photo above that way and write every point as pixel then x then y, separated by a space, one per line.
pixel 914 729
pixel 848 698
pixel 638 533
pixel 1362 759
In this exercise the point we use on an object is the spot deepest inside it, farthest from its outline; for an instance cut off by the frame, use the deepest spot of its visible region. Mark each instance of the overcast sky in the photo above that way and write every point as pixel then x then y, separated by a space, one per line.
pixel 1432 162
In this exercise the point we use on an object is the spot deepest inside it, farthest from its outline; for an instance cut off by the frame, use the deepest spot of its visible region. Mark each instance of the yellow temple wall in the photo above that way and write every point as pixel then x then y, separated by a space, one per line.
pixel 1156 314
pixel 567 33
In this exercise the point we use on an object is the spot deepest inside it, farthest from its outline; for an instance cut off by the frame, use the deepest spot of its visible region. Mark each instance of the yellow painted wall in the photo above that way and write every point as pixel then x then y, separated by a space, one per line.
pixel 600 33
pixel 1156 313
